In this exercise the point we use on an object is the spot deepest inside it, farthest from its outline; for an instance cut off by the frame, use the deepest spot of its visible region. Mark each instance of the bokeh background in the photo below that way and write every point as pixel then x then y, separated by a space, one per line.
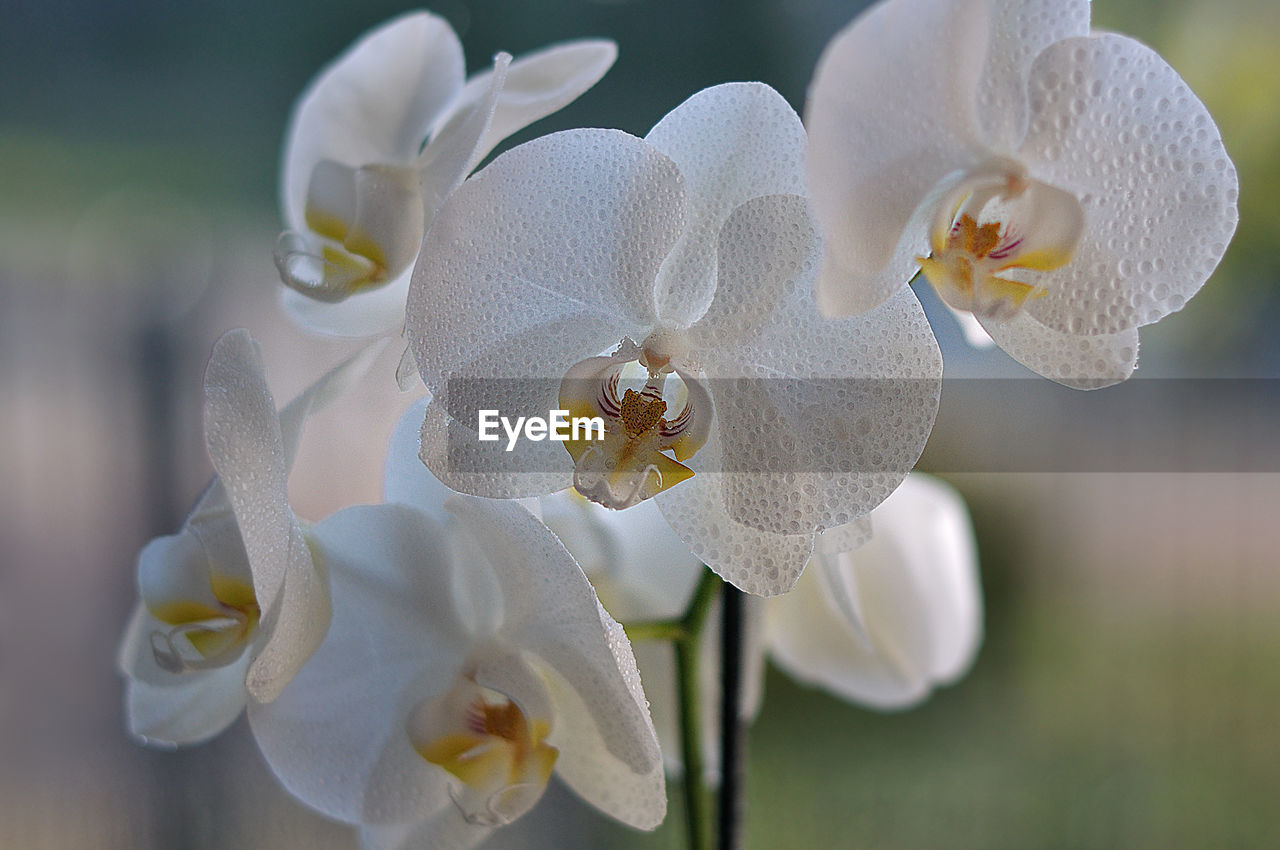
pixel 1128 690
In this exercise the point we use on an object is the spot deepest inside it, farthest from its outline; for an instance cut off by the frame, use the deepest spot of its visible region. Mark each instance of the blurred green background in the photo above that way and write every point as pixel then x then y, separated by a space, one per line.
pixel 1128 690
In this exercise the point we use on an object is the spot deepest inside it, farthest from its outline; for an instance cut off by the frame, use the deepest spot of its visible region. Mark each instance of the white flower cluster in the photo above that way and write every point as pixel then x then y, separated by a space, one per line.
pixel 728 297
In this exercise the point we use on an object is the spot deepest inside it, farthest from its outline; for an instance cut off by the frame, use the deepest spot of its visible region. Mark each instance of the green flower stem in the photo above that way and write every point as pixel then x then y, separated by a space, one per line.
pixel 685 634
pixel 698 813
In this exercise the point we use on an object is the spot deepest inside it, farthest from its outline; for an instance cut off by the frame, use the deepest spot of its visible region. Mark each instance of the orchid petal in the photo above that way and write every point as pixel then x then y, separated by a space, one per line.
pixel 174 570
pixel 1081 362
pixel 190 709
pixel 1112 123
pixel 374 312
pixel 564 232
pixel 1020 30
pixel 373 104
pixel 638 566
pixel 918 588
pixel 555 616
pixel 453 150
pixel 589 765
pixel 875 155
pixel 445 830
pixel 247 450
pixel 732 142
pixel 336 737
pixel 972 330
pixel 835 412
pixel 405 480
pixel 753 560
pixel 537 84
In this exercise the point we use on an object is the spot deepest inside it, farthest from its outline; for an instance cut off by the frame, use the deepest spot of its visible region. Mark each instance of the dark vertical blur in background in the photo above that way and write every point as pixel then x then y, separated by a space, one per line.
pixel 1127 692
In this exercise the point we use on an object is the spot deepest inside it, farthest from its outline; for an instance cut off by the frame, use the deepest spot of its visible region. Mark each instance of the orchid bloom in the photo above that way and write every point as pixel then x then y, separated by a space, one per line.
pixel 376 143
pixel 883 624
pixel 468 659
pixel 235 602
pixel 664 285
pixel 1063 185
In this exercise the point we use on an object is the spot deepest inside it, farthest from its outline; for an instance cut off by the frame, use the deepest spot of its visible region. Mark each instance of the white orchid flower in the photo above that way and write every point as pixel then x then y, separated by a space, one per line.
pixel 376 143
pixel 235 602
pixel 883 624
pixel 1063 185
pixel 640 571
pixel 468 659
pixel 689 255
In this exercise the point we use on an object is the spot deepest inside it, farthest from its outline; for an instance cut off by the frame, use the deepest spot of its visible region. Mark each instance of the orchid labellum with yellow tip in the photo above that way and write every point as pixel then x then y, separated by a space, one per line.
pixel 377 142
pixel 1063 185
pixel 664 286
pixel 233 604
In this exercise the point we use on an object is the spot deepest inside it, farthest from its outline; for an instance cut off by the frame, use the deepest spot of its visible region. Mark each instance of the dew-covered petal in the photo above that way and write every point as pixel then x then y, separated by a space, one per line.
pixel 1019 30
pixel 551 611
pixel 337 736
pixel 1081 361
pixel 819 420
pixel 244 441
pixel 1112 123
pixel 452 152
pixel 587 761
pixel 537 84
pixel 883 134
pixel 373 104
pixel 756 561
pixel 451 450
pixel 732 142
pixel 766 244
pixel 919 596
pixel 559 234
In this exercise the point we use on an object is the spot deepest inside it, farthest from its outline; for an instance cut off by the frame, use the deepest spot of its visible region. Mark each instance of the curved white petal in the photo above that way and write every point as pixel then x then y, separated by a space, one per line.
pixel 1081 361
pixel 373 104
pixel 588 765
pixel 190 708
pixel 405 479
pixel 445 830
pixel 638 566
pixel 765 245
pixel 1114 124
pixel 883 134
pixel 453 149
pixel 972 330
pixel 244 441
pixel 1019 30
pixel 450 447
pixel 175 569
pixel 756 561
pixel 537 84
pixel 545 257
pixel 918 587
pixel 551 611
pixel 732 142
pixel 832 414
pixel 337 736
pixel 372 312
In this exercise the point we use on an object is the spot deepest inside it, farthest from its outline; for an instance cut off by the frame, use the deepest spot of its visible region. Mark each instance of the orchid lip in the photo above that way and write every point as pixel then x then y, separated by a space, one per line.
pixel 641 452
pixel 995 235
